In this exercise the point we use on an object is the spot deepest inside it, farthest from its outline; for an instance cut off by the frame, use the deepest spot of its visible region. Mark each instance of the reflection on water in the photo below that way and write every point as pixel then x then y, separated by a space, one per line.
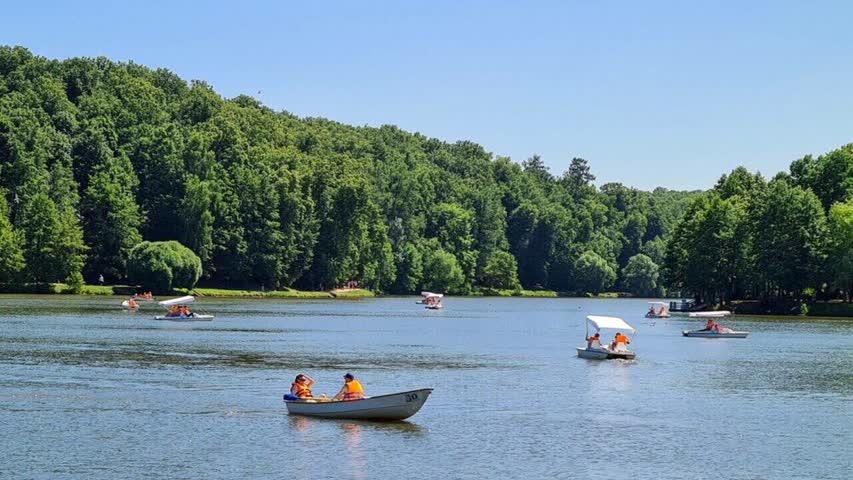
pixel 357 462
pixel 126 396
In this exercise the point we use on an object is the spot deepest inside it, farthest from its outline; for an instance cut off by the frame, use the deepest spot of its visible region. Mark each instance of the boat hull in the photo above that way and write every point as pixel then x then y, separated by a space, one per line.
pixel 434 307
pixel 602 354
pixel 394 406
pixel 194 318
pixel 701 334
pixel 665 315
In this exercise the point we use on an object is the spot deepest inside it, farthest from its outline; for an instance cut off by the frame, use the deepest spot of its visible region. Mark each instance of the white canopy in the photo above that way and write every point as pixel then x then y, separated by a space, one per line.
pixel 178 301
pixel 659 303
pixel 609 323
pixel 715 314
pixel 430 294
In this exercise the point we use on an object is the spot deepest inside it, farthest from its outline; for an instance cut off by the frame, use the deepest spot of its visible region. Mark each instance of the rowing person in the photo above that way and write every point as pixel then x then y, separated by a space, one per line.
pixel 352 389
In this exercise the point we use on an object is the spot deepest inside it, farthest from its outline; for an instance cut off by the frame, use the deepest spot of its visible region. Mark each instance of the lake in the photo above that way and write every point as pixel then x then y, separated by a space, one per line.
pixel 88 390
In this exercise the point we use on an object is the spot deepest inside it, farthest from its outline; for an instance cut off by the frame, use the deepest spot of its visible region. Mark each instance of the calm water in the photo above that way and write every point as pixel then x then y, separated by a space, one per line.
pixel 90 391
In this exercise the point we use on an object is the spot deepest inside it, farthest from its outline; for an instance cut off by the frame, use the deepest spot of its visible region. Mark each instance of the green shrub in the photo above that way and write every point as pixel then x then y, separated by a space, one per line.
pixel 161 266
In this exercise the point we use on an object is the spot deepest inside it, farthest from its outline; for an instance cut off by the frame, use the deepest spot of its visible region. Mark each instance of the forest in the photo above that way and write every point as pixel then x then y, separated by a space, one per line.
pixel 97 157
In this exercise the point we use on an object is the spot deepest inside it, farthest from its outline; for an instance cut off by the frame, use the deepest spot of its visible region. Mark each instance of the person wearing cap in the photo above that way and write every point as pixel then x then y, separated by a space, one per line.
pixel 352 389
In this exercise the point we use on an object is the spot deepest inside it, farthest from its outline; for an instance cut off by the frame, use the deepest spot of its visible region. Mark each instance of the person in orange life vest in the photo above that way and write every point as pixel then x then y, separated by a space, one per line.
pixel 352 389
pixel 301 386
pixel 619 338
pixel 594 341
pixel 132 303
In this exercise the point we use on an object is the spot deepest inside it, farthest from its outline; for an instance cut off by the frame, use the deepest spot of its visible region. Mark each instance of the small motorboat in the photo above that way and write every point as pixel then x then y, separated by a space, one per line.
pixel 604 352
pixel 128 305
pixel 180 305
pixel 661 312
pixel 712 329
pixel 722 333
pixel 390 407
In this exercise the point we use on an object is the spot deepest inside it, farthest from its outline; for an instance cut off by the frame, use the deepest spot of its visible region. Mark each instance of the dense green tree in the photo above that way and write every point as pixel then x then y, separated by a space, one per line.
pixel 111 219
pixel 161 266
pixel 442 273
pixel 790 224
pixel 640 276
pixel 51 252
pixel 841 246
pixel 592 273
pixel 501 271
pixel 11 253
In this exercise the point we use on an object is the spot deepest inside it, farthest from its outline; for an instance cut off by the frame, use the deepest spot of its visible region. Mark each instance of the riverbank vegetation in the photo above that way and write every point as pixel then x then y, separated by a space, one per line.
pixel 782 242
pixel 98 157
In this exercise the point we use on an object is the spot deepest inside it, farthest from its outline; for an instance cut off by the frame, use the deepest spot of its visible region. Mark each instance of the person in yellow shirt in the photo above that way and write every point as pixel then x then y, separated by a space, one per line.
pixel 352 389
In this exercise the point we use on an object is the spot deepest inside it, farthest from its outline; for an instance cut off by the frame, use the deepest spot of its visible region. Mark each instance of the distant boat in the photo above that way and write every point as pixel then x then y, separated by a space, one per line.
pixel 394 406
pixel 711 314
pixel 603 352
pixel 431 300
pixel 182 302
pixel 716 331
pixel 723 333
pixel 660 313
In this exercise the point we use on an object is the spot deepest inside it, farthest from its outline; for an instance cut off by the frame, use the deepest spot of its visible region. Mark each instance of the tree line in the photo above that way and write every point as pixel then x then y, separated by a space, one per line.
pixel 97 157
pixel 781 242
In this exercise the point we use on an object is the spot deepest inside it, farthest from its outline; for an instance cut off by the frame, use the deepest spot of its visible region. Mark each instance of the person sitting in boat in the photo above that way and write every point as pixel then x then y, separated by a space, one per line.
pixel 620 339
pixel 132 303
pixel 301 386
pixel 711 326
pixel 352 389
pixel 651 311
pixel 594 341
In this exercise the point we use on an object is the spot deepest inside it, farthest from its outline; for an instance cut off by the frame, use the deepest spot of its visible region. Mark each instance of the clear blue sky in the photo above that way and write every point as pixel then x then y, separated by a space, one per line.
pixel 651 93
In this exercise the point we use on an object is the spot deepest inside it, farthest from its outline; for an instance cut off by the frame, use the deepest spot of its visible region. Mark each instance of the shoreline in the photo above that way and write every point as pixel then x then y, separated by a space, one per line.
pixel 816 310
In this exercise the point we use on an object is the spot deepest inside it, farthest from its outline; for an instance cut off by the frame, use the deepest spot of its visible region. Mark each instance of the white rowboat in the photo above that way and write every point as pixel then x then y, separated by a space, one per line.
pixel 394 406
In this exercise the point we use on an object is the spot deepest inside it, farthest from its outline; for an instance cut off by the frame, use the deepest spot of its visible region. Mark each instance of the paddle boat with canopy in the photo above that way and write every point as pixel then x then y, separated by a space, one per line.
pixel 178 311
pixel 390 407
pixel 604 352
pixel 661 311
pixel 712 329
pixel 433 301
